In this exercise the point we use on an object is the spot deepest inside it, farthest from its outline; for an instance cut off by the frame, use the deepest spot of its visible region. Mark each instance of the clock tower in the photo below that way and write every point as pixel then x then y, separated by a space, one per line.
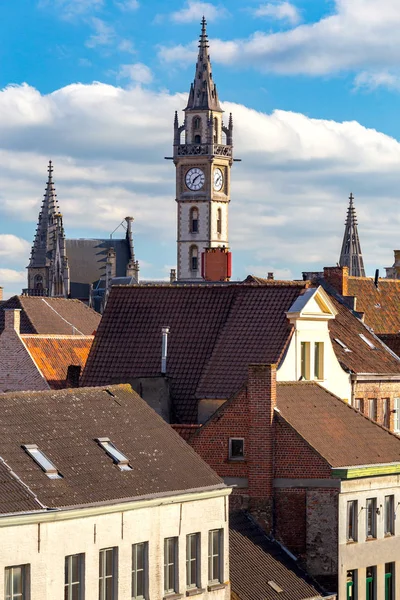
pixel 203 159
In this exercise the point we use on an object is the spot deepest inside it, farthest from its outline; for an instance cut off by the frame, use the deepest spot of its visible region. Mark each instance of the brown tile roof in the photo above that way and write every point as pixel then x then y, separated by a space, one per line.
pixel 60 316
pixel 380 305
pixel 64 425
pixel 338 432
pixel 347 327
pixel 215 332
pixel 255 560
pixel 15 496
pixel 54 354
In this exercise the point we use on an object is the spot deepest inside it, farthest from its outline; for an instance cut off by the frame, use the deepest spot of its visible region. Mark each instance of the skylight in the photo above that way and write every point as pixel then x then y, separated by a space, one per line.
pixel 342 344
pixel 41 459
pixel 367 341
pixel 120 459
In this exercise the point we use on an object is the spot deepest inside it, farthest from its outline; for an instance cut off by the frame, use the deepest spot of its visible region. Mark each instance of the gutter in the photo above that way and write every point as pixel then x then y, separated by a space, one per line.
pixel 375 377
pixel 111 507
pixel 358 471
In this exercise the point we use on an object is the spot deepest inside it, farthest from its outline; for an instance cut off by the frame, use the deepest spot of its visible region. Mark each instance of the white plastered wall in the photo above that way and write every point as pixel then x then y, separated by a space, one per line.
pixel 44 546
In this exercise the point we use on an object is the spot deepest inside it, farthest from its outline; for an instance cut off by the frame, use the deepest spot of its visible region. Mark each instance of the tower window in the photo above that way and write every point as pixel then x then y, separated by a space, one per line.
pixel 197 139
pixel 219 221
pixel 196 123
pixel 38 282
pixel 215 130
pixel 194 258
pixel 194 220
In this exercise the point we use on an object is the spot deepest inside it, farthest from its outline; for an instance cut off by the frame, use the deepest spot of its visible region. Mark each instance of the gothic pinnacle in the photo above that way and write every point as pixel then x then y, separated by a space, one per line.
pixel 351 255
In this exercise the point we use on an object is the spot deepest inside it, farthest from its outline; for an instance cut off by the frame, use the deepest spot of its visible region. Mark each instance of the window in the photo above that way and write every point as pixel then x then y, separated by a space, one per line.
pixel 41 459
pixel 193 560
pixel 108 568
pixel 318 360
pixel 17 583
pixel 367 341
pixel 74 577
pixel 371 583
pixel 215 540
pixel 371 518
pixel 386 412
pixel 194 258
pixel 357 403
pixel 140 574
pixel 305 360
pixel 352 521
pixel 389 515
pixel 351 585
pixel 196 123
pixel 120 459
pixel 171 565
pixel 397 415
pixel 215 130
pixel 236 448
pixel 219 221
pixel 342 345
pixel 38 282
pixel 372 409
pixel 389 581
pixel 197 139
pixel 194 220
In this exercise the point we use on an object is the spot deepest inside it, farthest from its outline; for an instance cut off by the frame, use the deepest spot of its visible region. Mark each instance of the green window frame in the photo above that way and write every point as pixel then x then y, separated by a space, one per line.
pixel 389 581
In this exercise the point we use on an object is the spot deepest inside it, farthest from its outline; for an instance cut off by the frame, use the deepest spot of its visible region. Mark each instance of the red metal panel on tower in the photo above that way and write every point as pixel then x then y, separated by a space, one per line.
pixel 216 264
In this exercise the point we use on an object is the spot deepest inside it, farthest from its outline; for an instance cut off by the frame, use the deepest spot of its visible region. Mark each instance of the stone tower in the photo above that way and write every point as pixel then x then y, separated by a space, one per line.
pixel 203 160
pixel 351 255
pixel 48 271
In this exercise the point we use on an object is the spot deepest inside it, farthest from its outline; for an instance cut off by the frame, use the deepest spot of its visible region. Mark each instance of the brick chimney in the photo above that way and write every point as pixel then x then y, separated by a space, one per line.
pixel 1 293
pixel 261 393
pixel 216 264
pixel 12 319
pixel 337 277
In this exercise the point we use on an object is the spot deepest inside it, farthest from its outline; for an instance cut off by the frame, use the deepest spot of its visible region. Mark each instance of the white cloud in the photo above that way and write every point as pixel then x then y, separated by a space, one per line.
pixel 127 5
pixel 195 11
pixel 289 195
pixel 103 35
pixel 137 72
pixel 359 34
pixel 126 46
pixel 13 247
pixel 72 8
pixel 370 81
pixel 281 11
pixel 10 276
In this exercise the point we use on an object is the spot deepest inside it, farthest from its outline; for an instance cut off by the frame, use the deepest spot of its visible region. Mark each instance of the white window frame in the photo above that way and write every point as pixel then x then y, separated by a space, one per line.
pixel 9 593
pixel 319 361
pixel 144 570
pixel 352 515
pixel 213 552
pixel 305 369
pixel 42 460
pixel 171 587
pixel 112 451
pixel 389 515
pixel 396 426
pixel 370 511
pixel 103 576
pixel 193 559
pixel 386 412
pixel 69 585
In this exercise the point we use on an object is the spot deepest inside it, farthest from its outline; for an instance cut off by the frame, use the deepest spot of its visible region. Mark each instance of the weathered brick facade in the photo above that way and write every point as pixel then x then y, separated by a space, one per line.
pixel 380 391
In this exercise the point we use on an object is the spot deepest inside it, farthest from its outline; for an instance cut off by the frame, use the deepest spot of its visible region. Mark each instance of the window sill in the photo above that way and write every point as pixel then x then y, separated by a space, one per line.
pixel 172 596
pixel 349 542
pixel 387 535
pixel 238 459
pixel 213 587
pixel 370 539
pixel 195 591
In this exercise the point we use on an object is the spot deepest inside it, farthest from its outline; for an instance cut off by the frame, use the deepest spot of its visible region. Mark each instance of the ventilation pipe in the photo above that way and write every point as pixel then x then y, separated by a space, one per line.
pixel 165 332
pixel 376 279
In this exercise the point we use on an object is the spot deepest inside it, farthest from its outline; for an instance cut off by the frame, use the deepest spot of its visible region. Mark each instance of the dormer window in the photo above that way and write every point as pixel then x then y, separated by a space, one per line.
pixel 120 459
pixel 41 459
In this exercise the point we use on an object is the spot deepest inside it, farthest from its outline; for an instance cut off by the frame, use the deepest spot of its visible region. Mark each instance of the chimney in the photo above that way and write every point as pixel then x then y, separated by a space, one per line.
pixel 1 293
pixel 164 351
pixel 376 278
pixel 337 277
pixel 73 375
pixel 172 276
pixel 216 264
pixel 261 392
pixel 12 319
pixel 270 275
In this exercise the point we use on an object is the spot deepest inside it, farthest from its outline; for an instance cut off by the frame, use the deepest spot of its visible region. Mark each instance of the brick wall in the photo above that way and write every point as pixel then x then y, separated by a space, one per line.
pixel 17 368
pixel 337 277
pixel 380 391
pixel 290 521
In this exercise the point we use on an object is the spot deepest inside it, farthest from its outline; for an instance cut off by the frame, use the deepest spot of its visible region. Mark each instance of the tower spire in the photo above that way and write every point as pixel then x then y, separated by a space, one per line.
pixel 203 91
pixel 351 255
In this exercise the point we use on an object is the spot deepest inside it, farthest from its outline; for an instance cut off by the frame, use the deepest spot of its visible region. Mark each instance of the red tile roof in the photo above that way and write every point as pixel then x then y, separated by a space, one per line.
pixel 54 354
pixel 380 305
pixel 215 333
pixel 64 424
pixel 60 316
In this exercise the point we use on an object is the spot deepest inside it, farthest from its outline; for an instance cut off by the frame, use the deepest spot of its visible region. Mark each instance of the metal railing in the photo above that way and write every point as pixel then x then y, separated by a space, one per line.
pixel 202 149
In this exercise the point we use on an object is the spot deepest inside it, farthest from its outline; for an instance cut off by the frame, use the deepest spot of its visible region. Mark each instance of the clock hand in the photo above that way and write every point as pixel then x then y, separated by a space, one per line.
pixel 194 180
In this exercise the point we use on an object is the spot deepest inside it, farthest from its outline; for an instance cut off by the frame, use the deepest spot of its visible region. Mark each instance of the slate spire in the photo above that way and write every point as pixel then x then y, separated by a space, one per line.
pixel 351 255
pixel 203 93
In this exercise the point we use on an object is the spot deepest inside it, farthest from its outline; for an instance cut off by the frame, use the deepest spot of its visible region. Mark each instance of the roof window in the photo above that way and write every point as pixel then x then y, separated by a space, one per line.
pixel 41 459
pixel 367 341
pixel 342 344
pixel 120 459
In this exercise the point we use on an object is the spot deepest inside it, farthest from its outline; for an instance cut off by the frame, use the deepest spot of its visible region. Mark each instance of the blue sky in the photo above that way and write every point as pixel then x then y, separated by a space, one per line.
pixel 313 86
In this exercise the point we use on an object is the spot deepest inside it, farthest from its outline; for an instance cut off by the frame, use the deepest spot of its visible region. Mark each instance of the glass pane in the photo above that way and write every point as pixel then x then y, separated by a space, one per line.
pixel 101 589
pixel 109 589
pixel 66 593
pixel 171 577
pixel 75 592
pixel 193 545
pixel 66 569
pixel 109 562
pixel 17 580
pixel 171 557
pixel 8 582
pixel 215 567
pixel 139 556
pixel 193 572
pixel 111 449
pixel 75 567
pixel 101 563
pixel 140 584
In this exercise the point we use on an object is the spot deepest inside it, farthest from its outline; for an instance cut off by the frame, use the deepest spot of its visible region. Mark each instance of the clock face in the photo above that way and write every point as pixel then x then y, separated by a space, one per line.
pixel 218 180
pixel 195 179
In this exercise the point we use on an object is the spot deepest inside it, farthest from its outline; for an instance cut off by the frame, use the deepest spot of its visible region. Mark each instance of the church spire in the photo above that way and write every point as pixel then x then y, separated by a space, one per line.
pixel 203 91
pixel 351 255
